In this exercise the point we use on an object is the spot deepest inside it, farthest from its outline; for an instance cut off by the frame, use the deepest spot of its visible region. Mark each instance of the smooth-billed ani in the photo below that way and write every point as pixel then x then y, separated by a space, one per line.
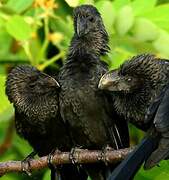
pixel 135 85
pixel 35 97
pixel 87 111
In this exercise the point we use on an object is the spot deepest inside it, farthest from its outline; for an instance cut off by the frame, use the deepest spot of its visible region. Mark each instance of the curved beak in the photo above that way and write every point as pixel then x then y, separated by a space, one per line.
pixel 81 27
pixel 110 81
pixel 53 82
pixel 105 82
pixel 50 81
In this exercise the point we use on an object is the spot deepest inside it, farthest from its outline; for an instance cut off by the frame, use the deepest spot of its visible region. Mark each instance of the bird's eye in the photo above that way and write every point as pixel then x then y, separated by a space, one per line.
pixel 32 85
pixel 129 79
pixel 91 19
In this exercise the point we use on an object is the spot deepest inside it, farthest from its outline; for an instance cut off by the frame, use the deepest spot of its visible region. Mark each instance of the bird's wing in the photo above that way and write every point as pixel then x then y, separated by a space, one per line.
pixel 119 129
pixel 154 106
pixel 161 119
pixel 161 152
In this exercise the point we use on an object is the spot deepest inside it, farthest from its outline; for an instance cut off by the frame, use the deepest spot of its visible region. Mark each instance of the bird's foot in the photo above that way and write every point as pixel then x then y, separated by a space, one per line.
pixel 73 157
pixel 52 167
pixel 73 154
pixel 50 158
pixel 25 164
pixel 103 155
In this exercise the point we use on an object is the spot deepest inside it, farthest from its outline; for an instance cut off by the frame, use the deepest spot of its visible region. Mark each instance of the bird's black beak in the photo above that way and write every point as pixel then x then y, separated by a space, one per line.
pixel 105 82
pixel 54 83
pixel 81 27
pixel 51 82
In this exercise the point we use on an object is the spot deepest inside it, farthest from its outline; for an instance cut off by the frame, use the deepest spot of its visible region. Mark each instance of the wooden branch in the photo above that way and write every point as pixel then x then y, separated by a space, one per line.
pixel 81 156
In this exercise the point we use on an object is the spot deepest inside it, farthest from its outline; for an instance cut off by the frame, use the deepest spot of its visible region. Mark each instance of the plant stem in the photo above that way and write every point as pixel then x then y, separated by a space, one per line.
pixel 26 47
pixel 46 41
pixel 51 60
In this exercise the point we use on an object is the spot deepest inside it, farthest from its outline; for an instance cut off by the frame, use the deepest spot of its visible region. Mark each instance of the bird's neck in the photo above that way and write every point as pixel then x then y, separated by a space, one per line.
pixel 133 105
pixel 90 46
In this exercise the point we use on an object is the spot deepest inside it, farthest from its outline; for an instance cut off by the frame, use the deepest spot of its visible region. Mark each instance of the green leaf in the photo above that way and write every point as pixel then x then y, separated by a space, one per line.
pixel 124 20
pixel 17 27
pixel 19 5
pixel 120 3
pixel 162 43
pixel 145 30
pixel 156 173
pixel 9 177
pixel 7 113
pixel 159 15
pixel 89 178
pixel 72 3
pixel 47 175
pixel 141 6
pixel 5 43
pixel 59 26
pixel 4 103
pixel 107 12
pixel 22 145
pixel 86 1
pixel 2 22
pixel 6 110
pixel 7 10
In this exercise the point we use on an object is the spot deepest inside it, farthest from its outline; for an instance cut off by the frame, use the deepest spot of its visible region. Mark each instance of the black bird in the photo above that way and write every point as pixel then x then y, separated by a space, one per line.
pixel 35 96
pixel 87 111
pixel 135 85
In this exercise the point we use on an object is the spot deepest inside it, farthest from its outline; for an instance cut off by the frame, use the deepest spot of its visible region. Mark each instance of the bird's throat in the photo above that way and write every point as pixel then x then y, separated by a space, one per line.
pixel 89 45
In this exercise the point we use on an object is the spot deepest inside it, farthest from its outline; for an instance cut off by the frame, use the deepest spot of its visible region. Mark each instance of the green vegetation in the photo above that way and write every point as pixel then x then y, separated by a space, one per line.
pixel 38 32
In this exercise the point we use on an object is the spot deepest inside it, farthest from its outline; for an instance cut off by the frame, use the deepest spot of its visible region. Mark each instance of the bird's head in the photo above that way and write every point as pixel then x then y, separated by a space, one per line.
pixel 115 81
pixel 87 21
pixel 26 82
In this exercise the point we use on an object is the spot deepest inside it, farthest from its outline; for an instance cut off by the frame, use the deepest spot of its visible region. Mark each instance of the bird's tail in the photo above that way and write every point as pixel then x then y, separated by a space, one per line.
pixel 161 153
pixel 98 171
pixel 55 174
pixel 129 166
pixel 73 172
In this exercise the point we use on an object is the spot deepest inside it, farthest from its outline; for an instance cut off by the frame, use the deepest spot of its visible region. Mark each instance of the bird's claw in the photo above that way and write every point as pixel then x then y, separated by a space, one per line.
pixel 72 156
pixel 25 164
pixel 52 166
pixel 50 159
pixel 103 155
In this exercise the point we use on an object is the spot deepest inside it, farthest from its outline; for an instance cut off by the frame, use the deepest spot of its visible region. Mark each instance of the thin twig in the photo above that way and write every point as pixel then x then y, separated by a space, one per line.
pixel 81 156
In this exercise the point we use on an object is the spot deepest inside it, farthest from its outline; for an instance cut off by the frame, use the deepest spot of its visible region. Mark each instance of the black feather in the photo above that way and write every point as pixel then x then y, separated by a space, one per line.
pixel 130 165
pixel 92 121
pixel 37 117
pixel 138 85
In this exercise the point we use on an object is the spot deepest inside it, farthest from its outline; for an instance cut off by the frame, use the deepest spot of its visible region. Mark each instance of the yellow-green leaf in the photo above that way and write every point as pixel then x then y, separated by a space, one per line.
pixel 145 30
pixel 141 6
pixel 17 27
pixel 120 3
pixel 19 5
pixel 124 20
pixel 107 12
pixel 162 43
pixel 159 15
pixel 72 3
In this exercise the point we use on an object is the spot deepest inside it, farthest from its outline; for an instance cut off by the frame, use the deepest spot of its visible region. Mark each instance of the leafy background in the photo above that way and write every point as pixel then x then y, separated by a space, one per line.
pixel 38 32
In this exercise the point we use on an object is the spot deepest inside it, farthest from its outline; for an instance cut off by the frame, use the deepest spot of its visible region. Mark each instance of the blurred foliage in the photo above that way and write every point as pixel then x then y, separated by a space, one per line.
pixel 38 32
